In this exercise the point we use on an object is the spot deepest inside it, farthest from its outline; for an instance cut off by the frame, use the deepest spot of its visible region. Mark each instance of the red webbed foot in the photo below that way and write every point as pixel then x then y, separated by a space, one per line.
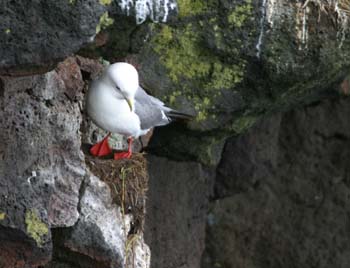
pixel 102 148
pixel 125 155
pixel 122 155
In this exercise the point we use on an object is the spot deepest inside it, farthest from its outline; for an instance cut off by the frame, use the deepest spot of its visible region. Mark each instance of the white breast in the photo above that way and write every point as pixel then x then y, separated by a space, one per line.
pixel 110 111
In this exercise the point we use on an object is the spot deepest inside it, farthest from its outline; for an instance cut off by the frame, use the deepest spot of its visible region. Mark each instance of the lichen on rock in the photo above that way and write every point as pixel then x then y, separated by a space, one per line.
pixel 192 8
pixel 105 21
pixel 49 192
pixel 36 228
pixel 198 74
pixel 240 13
pixel 238 61
pixel 243 123
pixel 105 2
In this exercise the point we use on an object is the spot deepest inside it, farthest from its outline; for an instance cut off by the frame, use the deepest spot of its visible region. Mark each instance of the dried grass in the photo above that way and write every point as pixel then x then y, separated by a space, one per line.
pixel 128 181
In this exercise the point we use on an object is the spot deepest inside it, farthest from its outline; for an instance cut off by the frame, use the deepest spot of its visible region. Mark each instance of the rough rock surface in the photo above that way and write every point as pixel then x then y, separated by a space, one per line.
pixel 39 34
pixel 280 197
pixel 100 231
pixel 36 36
pixel 176 212
pixel 231 62
pixel 48 197
pixel 41 166
pixel 282 192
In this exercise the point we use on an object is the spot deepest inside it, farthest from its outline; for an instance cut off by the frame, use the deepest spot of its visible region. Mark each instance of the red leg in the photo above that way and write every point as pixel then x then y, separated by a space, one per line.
pixel 102 148
pixel 125 154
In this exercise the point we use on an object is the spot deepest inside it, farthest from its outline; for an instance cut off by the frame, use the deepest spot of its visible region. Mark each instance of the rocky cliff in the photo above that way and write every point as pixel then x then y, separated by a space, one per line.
pixel 258 179
pixel 56 203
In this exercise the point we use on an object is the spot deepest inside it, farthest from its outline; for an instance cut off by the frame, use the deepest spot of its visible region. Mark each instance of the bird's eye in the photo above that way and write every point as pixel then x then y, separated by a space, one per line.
pixel 117 88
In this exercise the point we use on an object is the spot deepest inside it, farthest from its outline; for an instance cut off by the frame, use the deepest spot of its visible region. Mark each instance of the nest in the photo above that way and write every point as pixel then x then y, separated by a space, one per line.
pixel 128 181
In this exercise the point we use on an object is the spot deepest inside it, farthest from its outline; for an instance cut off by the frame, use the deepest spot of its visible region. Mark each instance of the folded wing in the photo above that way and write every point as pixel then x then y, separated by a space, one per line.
pixel 152 111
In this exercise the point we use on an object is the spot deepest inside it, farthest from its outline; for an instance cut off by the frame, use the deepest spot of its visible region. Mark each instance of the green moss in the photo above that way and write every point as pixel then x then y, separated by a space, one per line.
pixel 173 96
pixel 180 53
pixel 199 74
pixel 7 31
pixel 105 2
pixel 225 77
pixel 72 2
pixel 240 14
pixel 35 227
pixel 243 123
pixel 202 105
pixel 209 150
pixel 192 7
pixel 2 216
pixel 165 36
pixel 105 21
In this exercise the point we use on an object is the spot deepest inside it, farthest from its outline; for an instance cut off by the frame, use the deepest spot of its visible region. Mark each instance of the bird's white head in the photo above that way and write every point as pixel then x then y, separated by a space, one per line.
pixel 125 78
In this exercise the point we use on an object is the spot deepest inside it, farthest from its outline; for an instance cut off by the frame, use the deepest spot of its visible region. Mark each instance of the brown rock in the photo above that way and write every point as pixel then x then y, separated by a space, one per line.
pixel 91 68
pixel 70 74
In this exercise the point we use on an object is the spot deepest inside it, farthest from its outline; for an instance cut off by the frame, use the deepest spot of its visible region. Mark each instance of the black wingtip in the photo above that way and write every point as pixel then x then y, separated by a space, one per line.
pixel 176 115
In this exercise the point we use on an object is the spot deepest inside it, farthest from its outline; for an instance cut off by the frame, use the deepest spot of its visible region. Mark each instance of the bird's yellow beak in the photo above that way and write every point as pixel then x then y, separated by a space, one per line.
pixel 130 103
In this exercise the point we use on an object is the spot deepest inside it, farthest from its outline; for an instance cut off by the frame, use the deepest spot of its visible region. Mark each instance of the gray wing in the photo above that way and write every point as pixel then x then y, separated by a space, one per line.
pixel 150 110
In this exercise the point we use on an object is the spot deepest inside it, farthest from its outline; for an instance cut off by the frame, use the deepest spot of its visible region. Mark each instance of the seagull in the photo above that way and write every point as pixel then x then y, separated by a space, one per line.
pixel 118 104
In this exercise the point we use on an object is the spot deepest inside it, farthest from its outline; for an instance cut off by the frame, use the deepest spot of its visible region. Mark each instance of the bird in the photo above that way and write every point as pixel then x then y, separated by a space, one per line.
pixel 118 104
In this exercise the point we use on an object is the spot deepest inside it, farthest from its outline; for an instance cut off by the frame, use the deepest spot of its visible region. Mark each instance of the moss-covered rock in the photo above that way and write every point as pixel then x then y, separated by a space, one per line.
pixel 186 51
pixel 105 21
pixel 198 74
pixel 190 8
pixel 231 62
pixel 36 228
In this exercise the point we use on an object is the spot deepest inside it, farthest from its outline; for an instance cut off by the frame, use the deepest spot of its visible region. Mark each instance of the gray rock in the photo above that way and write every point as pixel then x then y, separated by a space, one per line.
pixel 232 62
pixel 176 212
pixel 41 166
pixel 101 231
pixel 139 255
pixel 36 36
pixel 45 211
pixel 282 192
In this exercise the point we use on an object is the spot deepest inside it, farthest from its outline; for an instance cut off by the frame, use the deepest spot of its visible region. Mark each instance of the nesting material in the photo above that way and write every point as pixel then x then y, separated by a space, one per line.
pixel 128 181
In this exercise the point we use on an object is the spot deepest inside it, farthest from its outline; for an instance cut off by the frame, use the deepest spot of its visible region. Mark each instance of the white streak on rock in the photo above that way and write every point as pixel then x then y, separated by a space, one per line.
pixel 262 21
pixel 270 11
pixel 156 10
pixel 304 36
pixel 343 19
pixel 302 25
pixel 168 5
pixel 125 5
